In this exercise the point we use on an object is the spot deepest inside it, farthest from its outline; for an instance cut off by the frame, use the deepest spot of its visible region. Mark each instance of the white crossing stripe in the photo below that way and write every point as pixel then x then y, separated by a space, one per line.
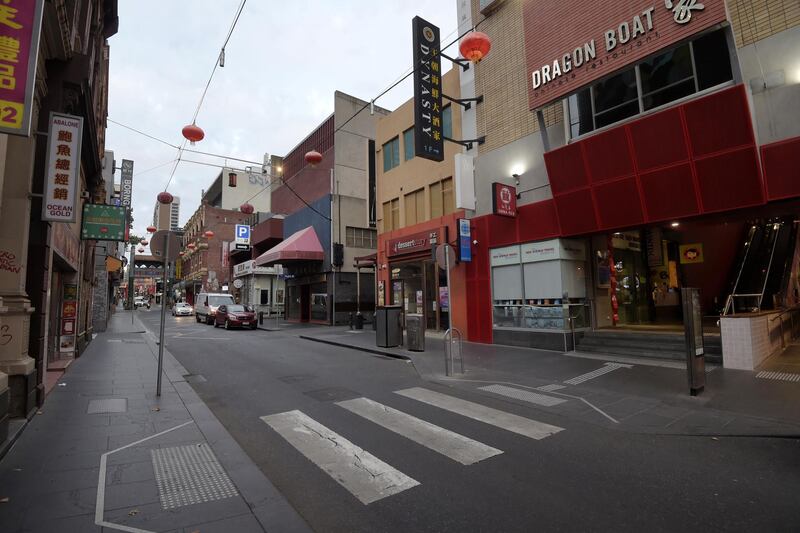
pixel 552 387
pixel 457 447
pixel 524 395
pixel 605 369
pixel 781 376
pixel 366 477
pixel 487 415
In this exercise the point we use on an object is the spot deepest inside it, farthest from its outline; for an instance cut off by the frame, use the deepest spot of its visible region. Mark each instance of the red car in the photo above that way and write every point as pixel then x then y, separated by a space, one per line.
pixel 235 316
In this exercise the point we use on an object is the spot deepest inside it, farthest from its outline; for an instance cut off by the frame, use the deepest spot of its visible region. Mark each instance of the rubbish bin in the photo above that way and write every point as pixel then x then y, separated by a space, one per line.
pixel 359 322
pixel 389 332
pixel 415 332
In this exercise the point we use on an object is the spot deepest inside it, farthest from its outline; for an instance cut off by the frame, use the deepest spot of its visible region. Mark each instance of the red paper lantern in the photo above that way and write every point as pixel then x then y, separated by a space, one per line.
pixel 143 243
pixel 246 208
pixel 313 158
pixel 209 234
pixel 190 246
pixel 151 229
pixel 193 133
pixel 475 46
pixel 180 254
pixel 140 249
pixel 165 198
pixel 232 179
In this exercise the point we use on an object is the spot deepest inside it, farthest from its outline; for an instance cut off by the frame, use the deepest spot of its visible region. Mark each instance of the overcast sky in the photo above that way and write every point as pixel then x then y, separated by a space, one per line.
pixel 282 65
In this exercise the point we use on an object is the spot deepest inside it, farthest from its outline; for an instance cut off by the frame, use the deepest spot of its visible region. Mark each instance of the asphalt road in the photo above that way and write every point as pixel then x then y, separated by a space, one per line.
pixel 581 478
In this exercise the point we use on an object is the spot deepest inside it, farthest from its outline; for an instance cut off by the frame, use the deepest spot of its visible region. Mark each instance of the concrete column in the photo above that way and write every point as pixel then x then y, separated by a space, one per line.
pixel 15 308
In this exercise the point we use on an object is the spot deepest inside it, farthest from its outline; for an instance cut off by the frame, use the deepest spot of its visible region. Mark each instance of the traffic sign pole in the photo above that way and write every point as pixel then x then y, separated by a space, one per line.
pixel 163 315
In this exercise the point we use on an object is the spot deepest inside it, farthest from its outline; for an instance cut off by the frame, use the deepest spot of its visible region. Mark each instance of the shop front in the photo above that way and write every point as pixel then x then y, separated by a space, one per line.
pixel 260 287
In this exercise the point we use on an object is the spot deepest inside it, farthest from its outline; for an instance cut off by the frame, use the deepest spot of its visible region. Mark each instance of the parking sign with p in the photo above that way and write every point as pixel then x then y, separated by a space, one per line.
pixel 242 234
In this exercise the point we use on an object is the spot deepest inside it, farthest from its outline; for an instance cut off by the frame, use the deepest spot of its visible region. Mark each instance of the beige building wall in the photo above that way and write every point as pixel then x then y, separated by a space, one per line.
pixel 754 20
pixel 416 173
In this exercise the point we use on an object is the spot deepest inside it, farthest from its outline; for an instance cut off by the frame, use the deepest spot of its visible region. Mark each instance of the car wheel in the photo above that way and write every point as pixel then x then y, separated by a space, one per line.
pixel 197 318
pixel 227 324
pixel 215 324
pixel 253 326
pixel 210 320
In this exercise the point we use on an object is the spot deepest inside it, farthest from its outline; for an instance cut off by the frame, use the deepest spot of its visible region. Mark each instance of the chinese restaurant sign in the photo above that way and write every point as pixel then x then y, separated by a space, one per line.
pixel 63 164
pixel 103 223
pixel 504 200
pixel 571 43
pixel 20 26
pixel 428 140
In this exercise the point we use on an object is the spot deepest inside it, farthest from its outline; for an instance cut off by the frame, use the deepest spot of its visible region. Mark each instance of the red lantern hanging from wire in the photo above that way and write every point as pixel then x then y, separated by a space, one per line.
pixel 140 250
pixel 231 179
pixel 246 208
pixel 151 229
pixel 193 133
pixel 313 158
pixel 143 243
pixel 190 246
pixel 181 254
pixel 164 197
pixel 475 46
pixel 209 234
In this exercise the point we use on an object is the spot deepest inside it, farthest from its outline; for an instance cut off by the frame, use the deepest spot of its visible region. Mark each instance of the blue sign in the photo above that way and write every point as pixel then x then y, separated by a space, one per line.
pixel 242 234
pixel 464 240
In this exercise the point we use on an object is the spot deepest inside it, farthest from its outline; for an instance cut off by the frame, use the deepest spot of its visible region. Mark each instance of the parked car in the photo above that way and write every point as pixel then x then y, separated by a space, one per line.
pixel 207 303
pixel 235 316
pixel 141 301
pixel 182 309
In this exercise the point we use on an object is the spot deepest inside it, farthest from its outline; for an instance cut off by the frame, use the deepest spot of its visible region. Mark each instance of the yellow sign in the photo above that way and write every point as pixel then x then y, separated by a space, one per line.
pixel 178 265
pixel 691 253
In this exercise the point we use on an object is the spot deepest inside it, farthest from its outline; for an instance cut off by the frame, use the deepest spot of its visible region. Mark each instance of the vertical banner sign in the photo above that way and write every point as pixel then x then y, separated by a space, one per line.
pixel 428 140
pixel 20 26
pixel 69 313
pixel 63 163
pixel 126 183
pixel 464 240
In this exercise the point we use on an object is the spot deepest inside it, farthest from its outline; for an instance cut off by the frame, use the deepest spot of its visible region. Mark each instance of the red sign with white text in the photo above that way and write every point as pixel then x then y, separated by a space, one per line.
pixel 417 242
pixel 504 200
pixel 571 43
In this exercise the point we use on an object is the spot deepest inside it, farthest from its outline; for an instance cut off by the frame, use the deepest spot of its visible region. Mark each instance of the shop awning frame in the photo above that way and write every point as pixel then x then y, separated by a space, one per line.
pixel 303 245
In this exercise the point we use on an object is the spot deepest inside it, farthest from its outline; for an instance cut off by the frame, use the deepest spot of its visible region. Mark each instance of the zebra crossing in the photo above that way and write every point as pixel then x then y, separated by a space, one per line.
pixel 367 477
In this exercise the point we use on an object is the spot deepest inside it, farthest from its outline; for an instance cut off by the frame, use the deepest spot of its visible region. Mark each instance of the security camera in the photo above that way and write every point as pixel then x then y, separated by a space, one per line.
pixel 475 242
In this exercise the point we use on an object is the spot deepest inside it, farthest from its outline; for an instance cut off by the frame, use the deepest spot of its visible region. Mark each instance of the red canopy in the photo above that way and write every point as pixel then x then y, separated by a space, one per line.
pixel 303 245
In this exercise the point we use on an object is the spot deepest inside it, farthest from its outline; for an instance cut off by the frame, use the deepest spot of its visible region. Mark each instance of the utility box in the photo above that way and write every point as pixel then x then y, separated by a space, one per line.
pixel 693 333
pixel 415 332
pixel 389 330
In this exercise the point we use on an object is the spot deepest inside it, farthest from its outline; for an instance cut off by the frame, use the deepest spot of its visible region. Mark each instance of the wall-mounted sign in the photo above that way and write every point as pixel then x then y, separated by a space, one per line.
pixel 603 37
pixel 103 222
pixel 242 234
pixel 464 240
pixel 428 135
pixel 417 242
pixel 691 253
pixel 126 182
pixel 249 267
pixel 504 200
pixel 564 249
pixel 20 26
pixel 62 175
pixel 508 255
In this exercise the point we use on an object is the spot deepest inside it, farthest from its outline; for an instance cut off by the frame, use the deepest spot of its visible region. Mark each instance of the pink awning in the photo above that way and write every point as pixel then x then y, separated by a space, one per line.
pixel 303 245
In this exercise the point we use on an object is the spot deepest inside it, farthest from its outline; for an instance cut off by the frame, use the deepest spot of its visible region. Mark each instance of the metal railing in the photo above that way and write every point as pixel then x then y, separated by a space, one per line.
pixel 791 311
pixel 452 347
pixel 730 303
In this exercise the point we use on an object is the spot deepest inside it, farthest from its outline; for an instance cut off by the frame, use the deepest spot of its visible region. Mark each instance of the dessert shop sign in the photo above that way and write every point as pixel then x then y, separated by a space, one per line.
pixel 63 165
pixel 614 35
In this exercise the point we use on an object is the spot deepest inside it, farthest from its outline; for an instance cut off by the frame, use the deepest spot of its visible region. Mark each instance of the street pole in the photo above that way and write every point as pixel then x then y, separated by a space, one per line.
pixel 333 268
pixel 163 314
pixel 449 302
pixel 131 278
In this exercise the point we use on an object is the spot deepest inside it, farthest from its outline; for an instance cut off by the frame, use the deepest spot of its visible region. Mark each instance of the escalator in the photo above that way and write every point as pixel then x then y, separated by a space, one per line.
pixel 762 267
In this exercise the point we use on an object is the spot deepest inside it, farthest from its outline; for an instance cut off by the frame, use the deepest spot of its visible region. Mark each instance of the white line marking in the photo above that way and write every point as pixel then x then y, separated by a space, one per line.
pixel 780 376
pixel 457 447
pixel 100 502
pixel 552 387
pixel 605 369
pixel 365 476
pixel 487 415
pixel 524 395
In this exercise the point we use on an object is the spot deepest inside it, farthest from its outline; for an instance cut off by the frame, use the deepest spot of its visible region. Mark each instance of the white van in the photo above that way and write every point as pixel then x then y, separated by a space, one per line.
pixel 206 304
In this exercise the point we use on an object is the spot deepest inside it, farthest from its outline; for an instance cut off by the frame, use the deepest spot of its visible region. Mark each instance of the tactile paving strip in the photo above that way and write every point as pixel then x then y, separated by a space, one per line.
pixel 188 475
pixel 524 395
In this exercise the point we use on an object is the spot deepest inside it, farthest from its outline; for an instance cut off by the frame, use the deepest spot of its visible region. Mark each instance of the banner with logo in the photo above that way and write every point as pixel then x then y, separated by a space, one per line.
pixel 428 135
pixel 62 173
pixel 20 28
pixel 504 200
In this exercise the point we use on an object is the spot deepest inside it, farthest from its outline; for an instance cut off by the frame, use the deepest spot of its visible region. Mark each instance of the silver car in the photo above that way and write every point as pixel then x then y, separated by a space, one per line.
pixel 182 309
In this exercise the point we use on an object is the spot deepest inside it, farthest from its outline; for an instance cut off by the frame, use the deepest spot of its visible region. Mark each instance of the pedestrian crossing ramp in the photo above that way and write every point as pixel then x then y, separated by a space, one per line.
pixel 368 477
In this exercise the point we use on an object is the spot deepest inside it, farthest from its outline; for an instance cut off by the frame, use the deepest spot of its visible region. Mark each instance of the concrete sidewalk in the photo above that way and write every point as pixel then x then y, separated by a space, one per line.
pixel 106 454
pixel 632 394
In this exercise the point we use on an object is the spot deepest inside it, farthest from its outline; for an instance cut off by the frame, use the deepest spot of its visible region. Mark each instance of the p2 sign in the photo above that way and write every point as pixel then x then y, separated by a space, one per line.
pixel 242 234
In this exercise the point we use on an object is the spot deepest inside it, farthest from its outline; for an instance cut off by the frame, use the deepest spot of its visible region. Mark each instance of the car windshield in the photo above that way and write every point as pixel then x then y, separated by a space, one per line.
pixel 183 305
pixel 236 309
pixel 216 301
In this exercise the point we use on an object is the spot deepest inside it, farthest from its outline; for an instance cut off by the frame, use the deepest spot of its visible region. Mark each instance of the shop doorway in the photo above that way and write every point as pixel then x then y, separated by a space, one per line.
pixel 415 286
pixel 305 303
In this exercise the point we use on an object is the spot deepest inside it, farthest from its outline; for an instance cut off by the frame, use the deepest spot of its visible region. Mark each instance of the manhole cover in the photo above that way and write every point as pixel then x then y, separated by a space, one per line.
pixel 296 378
pixel 107 405
pixel 186 475
pixel 332 394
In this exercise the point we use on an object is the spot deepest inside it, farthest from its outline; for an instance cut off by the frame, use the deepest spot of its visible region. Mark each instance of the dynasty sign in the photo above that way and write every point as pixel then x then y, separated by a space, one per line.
pixel 428 140
pixel 63 164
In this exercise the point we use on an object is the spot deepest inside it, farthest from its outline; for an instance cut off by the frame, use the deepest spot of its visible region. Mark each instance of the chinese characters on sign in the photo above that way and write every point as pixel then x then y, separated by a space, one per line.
pixel 69 312
pixel 428 136
pixel 20 23
pixel 504 200
pixel 63 165
pixel 464 240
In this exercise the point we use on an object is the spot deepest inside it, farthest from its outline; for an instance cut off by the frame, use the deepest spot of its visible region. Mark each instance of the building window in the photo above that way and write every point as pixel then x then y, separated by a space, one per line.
pixel 391 154
pixel 391 215
pixel 264 297
pixel 408 144
pixel 442 202
pixel 415 207
pixel 669 76
pixel 447 121
pixel 361 237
